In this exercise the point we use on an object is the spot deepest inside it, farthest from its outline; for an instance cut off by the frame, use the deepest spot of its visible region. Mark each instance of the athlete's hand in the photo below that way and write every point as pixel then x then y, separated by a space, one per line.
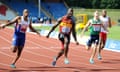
pixel 47 36
pixel 77 43
pixel 2 26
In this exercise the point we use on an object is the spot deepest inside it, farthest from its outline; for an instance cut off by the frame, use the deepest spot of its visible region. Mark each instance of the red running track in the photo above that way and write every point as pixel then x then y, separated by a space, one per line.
pixel 38 54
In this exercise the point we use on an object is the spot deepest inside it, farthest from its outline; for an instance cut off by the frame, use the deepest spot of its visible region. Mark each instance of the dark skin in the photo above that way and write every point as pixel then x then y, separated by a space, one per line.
pixel 18 20
pixel 66 45
pixel 57 24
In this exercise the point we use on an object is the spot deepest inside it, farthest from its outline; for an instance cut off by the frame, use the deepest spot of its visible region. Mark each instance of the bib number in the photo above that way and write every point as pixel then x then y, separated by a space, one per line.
pixel 97 28
pixel 23 28
pixel 65 29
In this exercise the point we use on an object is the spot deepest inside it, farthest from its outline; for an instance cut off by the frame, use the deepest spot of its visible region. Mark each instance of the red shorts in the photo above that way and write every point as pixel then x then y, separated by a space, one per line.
pixel 103 36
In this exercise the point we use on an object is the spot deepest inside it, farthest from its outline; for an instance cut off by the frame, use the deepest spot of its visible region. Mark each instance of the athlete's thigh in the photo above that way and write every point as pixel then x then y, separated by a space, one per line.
pixel 15 43
pixel 61 37
pixel 67 39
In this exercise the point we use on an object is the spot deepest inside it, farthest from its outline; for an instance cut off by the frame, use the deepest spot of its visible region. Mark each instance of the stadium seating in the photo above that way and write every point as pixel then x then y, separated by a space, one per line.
pixel 56 9
pixel 19 5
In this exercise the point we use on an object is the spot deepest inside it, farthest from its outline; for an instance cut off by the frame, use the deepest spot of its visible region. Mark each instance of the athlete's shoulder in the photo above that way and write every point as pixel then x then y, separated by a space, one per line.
pixel 90 20
pixel 59 19
pixel 18 17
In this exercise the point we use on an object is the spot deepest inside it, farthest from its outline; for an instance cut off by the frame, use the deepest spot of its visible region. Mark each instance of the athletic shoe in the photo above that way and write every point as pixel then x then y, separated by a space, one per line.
pixel 91 61
pixel 99 57
pixel 66 61
pixel 12 66
pixel 54 62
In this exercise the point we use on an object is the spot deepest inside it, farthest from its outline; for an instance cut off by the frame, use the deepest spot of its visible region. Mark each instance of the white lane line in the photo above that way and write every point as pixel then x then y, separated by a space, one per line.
pixel 89 64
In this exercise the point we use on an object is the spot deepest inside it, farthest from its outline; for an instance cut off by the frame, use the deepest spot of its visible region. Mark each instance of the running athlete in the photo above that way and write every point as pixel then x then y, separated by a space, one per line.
pixel 95 27
pixel 103 34
pixel 21 24
pixel 66 26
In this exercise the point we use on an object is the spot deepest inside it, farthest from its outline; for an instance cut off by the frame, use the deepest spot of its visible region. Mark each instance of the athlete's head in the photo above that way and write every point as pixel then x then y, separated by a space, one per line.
pixel 70 12
pixel 25 12
pixel 104 13
pixel 96 15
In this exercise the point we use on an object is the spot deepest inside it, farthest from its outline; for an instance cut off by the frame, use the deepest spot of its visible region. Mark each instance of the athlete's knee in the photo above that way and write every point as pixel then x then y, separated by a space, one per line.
pixel 62 51
pixel 19 53
pixel 66 44
pixel 14 49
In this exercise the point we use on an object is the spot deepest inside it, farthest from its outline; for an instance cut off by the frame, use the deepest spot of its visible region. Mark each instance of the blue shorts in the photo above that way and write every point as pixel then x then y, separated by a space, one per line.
pixel 93 39
pixel 18 41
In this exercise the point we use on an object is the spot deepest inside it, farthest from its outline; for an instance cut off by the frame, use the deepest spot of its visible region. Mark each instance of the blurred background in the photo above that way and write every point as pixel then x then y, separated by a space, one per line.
pixel 48 11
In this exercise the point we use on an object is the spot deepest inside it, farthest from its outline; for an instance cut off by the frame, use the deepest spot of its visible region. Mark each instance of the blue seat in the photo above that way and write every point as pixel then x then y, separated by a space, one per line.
pixel 56 9
pixel 20 5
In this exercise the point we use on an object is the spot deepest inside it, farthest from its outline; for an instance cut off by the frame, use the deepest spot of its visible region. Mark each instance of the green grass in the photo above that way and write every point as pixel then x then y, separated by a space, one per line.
pixel 113 13
pixel 114 33
pixel 44 28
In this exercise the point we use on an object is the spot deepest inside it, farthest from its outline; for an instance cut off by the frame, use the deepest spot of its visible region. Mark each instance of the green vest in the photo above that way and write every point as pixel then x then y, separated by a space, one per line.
pixel 95 27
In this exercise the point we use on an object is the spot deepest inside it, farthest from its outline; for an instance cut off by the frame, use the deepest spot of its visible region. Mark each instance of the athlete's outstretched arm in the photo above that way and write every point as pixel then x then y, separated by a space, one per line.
pixel 86 27
pixel 56 24
pixel 32 29
pixel 10 23
pixel 74 33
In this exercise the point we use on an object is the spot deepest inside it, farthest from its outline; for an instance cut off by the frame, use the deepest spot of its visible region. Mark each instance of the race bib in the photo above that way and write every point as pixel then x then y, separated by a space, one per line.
pixel 23 28
pixel 65 29
pixel 96 27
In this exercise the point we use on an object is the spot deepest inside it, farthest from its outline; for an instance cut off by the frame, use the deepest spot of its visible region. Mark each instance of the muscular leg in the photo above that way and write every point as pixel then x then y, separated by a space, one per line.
pixel 66 49
pixel 19 50
pixel 102 42
pixel 93 54
pixel 59 54
pixel 94 51
pixel 100 46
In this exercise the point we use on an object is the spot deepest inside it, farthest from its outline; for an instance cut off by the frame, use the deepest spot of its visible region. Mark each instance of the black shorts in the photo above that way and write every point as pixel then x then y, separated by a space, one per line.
pixel 93 39
pixel 62 37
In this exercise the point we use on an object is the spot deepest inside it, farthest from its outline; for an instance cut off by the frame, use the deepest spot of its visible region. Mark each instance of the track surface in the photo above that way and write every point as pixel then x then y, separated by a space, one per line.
pixel 38 54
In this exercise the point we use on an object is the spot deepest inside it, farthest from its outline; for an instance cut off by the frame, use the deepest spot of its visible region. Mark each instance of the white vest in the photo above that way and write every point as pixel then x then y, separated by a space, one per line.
pixel 23 25
pixel 105 22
